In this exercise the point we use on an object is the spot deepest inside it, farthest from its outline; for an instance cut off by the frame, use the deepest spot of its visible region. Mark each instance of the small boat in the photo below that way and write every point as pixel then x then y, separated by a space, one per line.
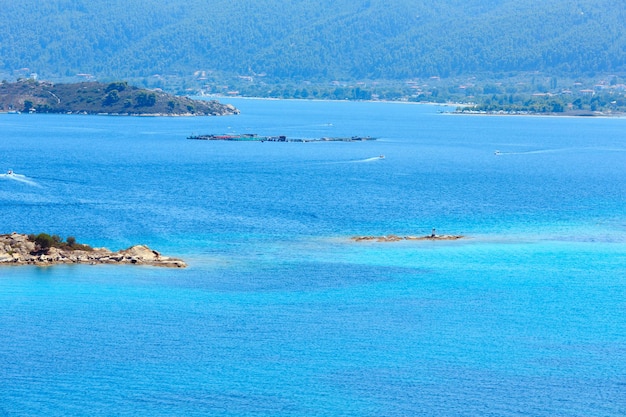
pixel 10 172
pixel 496 153
pixel 381 157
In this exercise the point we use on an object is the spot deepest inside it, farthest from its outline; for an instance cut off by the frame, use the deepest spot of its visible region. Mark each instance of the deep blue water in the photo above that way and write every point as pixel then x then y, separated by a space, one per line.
pixel 279 313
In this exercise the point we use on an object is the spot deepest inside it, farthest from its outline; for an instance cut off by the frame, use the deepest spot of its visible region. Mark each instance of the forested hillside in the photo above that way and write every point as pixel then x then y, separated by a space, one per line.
pixel 302 40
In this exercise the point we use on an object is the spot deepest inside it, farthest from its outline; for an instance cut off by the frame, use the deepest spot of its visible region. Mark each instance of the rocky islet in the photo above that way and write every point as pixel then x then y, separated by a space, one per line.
pixel 20 249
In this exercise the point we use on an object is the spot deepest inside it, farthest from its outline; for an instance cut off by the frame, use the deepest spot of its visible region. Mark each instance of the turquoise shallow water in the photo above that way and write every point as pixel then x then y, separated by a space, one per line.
pixel 279 313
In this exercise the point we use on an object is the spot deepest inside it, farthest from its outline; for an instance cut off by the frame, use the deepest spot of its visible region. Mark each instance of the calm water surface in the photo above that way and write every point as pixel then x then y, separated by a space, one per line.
pixel 279 313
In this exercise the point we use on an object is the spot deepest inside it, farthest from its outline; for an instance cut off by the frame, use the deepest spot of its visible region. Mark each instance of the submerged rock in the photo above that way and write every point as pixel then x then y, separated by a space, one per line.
pixel 18 249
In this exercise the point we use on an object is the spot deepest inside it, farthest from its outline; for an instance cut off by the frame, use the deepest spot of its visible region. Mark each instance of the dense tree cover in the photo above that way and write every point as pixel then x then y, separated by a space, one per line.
pixel 310 41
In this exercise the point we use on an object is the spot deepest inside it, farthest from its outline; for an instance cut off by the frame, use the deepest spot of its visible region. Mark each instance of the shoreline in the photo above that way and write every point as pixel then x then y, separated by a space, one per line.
pixel 572 115
pixel 425 103
pixel 428 103
pixel 81 113
pixel 19 250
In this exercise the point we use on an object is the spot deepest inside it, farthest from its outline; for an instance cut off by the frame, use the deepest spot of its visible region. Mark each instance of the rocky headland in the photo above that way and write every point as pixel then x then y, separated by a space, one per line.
pixel 116 98
pixel 20 249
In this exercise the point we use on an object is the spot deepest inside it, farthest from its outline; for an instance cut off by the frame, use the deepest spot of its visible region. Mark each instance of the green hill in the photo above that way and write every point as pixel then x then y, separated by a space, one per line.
pixel 97 98
pixel 310 41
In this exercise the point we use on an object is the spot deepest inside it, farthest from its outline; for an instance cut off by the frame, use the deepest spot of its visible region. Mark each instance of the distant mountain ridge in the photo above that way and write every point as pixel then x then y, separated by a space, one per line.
pixel 299 40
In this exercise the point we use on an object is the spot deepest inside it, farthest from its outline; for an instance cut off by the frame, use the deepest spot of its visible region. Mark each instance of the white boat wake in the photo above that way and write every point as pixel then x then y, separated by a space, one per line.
pixel 375 158
pixel 528 152
pixel 355 161
pixel 543 151
pixel 19 178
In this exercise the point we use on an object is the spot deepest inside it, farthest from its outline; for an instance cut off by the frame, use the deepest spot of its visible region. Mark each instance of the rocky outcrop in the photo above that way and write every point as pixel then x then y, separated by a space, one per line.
pixel 18 249
pixel 395 238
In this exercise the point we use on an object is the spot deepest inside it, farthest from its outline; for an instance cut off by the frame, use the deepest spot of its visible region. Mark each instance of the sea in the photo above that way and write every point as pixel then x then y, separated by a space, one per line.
pixel 280 312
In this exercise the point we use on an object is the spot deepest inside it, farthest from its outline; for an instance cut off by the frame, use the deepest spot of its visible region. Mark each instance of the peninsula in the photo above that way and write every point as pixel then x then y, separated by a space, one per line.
pixel 117 98
pixel 45 250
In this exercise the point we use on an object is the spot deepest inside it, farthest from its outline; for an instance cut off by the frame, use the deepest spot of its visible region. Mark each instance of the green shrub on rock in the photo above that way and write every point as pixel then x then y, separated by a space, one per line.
pixel 44 242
